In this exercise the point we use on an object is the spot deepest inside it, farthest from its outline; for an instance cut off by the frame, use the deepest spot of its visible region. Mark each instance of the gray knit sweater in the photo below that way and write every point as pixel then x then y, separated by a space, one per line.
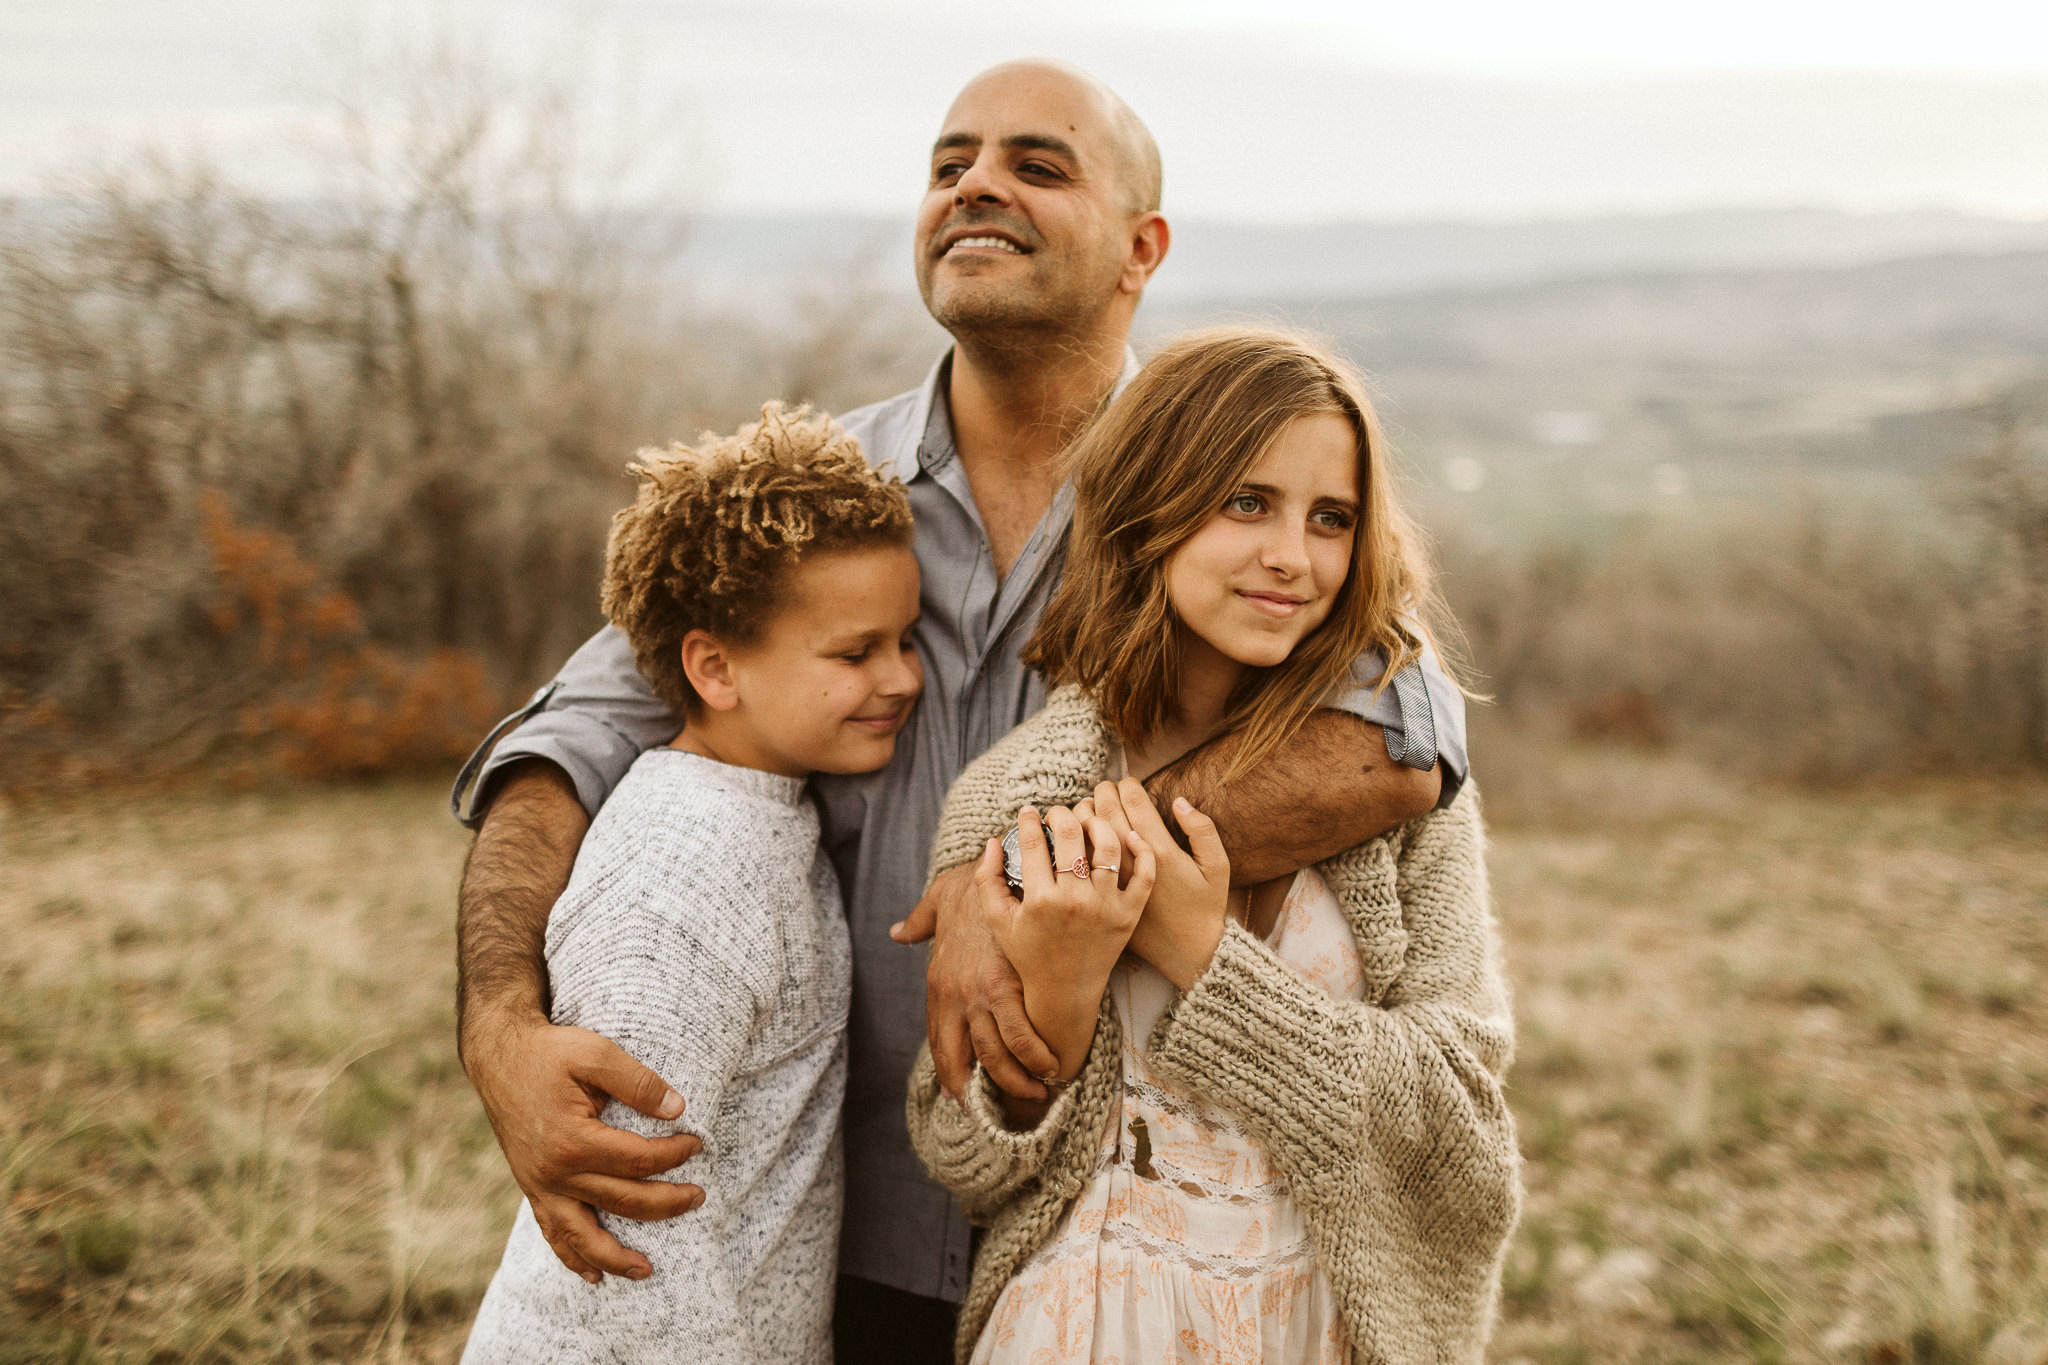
pixel 702 931
pixel 1386 1116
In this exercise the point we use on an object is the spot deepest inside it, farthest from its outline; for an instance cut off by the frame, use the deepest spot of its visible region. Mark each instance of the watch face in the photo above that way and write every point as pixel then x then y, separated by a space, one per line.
pixel 1013 862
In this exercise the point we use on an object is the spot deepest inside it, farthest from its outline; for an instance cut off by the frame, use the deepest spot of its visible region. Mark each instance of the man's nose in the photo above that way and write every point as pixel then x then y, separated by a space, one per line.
pixel 980 183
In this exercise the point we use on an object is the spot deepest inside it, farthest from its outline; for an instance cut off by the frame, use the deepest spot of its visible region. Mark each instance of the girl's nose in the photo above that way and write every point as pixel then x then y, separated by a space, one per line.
pixel 1286 549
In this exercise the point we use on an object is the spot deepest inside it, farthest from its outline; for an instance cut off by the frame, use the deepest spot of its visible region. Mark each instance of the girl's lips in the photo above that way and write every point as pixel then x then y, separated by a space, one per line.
pixel 881 725
pixel 1273 604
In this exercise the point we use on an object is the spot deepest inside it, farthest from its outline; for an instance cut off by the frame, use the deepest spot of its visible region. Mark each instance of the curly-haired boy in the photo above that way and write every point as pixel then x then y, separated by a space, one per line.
pixel 767 584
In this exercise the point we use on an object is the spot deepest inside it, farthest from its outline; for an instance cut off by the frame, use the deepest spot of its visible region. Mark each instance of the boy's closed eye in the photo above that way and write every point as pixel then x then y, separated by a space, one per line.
pixel 861 648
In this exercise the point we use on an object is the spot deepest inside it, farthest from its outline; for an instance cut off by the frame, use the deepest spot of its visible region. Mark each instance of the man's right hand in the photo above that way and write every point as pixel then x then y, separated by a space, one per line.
pixel 974 1001
pixel 543 1087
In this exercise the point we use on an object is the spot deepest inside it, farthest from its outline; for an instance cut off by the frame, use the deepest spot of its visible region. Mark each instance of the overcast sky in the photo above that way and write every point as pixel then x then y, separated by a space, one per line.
pixel 1281 110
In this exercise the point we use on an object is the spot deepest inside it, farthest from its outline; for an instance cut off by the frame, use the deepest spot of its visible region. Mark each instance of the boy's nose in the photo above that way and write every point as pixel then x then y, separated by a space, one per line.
pixel 907 678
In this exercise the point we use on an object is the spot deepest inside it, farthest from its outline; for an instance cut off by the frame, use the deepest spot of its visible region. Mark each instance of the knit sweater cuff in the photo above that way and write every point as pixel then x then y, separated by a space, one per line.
pixel 1252 1035
pixel 1027 1146
pixel 969 1148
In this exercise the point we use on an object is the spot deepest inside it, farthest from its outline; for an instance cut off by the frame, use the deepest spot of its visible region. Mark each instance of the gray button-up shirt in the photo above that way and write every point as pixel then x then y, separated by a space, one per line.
pixel 598 715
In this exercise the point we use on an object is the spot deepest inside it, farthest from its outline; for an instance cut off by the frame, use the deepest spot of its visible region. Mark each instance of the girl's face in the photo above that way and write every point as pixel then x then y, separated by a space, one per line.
pixel 1265 569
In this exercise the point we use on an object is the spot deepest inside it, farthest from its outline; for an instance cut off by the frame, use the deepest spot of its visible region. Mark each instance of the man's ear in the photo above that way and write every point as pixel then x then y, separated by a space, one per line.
pixel 1149 238
pixel 707 663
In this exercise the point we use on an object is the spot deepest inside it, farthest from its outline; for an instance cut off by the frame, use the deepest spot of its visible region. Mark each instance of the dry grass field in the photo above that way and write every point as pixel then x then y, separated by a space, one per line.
pixel 1783 1088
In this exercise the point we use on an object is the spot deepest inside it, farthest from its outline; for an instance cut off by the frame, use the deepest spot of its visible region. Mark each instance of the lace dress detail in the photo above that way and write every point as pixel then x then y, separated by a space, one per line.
pixel 1186 1245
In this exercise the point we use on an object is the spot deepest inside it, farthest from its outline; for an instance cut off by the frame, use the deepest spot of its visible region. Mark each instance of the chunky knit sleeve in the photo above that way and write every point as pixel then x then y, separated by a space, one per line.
pixel 974 811
pixel 1395 1107
pixel 1056 756
pixel 968 1147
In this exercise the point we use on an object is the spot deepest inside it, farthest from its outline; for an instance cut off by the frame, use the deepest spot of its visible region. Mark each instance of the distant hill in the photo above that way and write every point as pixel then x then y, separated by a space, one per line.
pixel 1223 261
pixel 1544 367
pixel 1554 401
pixel 1214 261
pixel 1567 372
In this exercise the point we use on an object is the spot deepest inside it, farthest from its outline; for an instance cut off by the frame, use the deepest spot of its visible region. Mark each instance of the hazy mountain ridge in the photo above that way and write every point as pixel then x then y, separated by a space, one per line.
pixel 1557 374
pixel 1367 259
pixel 1562 399
pixel 1217 262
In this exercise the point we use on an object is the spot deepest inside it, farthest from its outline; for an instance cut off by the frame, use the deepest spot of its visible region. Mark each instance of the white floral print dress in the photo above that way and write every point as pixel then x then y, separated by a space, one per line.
pixel 1187 1244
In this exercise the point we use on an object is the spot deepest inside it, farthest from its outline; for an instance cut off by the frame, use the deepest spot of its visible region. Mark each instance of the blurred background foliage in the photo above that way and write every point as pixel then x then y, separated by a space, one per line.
pixel 320 485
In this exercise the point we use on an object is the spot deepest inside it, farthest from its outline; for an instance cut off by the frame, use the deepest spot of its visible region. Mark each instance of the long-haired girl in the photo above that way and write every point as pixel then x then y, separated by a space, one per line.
pixel 1277 1130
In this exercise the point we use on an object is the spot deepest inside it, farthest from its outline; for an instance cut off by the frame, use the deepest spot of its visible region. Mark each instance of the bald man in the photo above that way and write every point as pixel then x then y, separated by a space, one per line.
pixel 1038 233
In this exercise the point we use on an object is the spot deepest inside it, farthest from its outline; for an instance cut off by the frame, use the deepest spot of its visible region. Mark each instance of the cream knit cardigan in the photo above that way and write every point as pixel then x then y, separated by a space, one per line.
pixel 1387 1115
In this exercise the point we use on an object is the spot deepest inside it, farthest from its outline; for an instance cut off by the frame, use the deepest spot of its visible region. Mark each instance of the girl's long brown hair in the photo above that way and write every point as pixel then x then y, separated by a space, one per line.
pixel 1152 469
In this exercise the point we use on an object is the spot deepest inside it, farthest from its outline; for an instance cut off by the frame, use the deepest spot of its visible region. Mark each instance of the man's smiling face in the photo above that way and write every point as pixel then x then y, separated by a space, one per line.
pixel 1025 221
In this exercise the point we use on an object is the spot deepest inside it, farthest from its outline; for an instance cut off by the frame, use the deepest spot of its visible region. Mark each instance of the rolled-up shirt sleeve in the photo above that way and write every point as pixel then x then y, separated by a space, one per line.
pixel 1422 711
pixel 592 721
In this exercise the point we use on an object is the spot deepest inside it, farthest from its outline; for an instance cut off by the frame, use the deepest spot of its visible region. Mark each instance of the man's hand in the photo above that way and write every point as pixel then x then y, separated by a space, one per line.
pixel 542 1086
pixel 974 1001
pixel 1327 789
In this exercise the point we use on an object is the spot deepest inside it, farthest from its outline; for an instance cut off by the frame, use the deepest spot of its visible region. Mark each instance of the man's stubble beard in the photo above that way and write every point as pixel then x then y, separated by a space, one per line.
pixel 1022 325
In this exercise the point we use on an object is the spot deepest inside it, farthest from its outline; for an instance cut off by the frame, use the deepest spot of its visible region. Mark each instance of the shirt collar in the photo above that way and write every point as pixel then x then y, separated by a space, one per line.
pixel 935 416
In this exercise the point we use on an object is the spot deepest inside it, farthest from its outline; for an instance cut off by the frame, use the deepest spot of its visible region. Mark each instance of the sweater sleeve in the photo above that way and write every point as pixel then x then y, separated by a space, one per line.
pixel 1410 1085
pixel 675 966
pixel 969 1148
pixel 975 811
pixel 1057 756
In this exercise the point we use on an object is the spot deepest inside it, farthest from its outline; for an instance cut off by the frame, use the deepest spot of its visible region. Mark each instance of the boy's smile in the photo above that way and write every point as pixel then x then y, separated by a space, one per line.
pixel 831 680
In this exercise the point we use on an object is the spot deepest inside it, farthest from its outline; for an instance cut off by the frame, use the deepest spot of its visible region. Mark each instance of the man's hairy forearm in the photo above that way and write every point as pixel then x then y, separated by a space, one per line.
pixel 1329 787
pixel 516 869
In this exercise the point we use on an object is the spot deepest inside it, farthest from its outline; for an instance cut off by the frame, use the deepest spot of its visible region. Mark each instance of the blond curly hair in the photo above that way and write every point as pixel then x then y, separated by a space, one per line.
pixel 709 542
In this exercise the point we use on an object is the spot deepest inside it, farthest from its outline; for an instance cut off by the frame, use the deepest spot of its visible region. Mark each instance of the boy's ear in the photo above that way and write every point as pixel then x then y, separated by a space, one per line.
pixel 708 665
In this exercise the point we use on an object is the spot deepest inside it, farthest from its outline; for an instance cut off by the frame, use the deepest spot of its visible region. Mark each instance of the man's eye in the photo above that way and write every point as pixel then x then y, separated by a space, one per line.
pixel 949 170
pixel 1038 168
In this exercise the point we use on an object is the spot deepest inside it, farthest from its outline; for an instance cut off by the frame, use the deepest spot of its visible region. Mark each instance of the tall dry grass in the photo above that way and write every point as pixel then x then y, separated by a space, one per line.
pixel 232 1123
pixel 1780 1091
pixel 1778 1086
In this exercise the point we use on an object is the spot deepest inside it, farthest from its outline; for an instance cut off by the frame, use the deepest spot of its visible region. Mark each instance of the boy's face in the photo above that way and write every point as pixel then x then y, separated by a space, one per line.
pixel 832 679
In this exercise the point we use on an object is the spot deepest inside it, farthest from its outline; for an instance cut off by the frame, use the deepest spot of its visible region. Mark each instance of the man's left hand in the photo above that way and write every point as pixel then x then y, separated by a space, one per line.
pixel 974 1001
